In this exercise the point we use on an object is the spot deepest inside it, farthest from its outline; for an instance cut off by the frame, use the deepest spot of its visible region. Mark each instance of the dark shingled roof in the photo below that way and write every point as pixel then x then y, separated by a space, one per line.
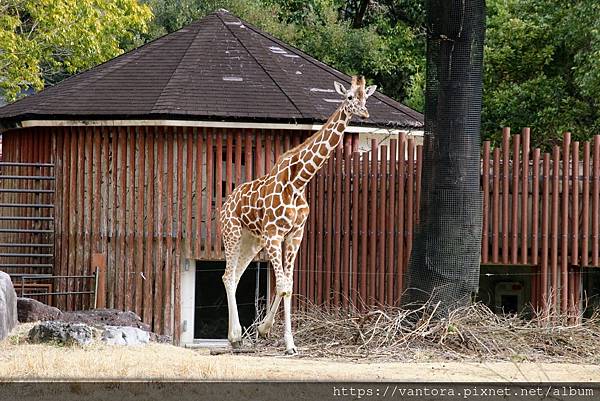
pixel 218 68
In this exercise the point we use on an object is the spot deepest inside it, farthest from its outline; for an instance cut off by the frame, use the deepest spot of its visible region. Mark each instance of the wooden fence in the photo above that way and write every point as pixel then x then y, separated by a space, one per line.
pixel 540 210
pixel 364 207
pixel 144 199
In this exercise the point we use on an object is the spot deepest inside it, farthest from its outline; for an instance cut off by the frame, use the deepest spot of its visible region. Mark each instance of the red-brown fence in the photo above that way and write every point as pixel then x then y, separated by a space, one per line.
pixel 542 210
pixel 364 207
pixel 144 199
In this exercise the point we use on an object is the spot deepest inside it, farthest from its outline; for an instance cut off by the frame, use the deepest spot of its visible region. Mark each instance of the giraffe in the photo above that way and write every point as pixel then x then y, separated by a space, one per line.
pixel 270 212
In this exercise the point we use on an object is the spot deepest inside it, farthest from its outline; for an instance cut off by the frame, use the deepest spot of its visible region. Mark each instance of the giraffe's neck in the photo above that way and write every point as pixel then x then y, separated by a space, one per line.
pixel 319 147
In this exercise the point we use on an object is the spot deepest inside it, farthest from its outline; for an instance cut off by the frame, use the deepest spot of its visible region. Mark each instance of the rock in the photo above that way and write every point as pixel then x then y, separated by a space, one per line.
pixel 30 310
pixel 160 338
pixel 61 333
pixel 123 335
pixel 8 306
pixel 105 317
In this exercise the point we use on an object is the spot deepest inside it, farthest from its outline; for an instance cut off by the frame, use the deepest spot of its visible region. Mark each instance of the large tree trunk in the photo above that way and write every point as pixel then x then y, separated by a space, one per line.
pixel 444 265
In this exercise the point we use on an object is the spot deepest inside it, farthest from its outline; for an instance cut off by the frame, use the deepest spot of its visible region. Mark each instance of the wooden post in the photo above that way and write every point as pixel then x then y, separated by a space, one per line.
pixel 99 266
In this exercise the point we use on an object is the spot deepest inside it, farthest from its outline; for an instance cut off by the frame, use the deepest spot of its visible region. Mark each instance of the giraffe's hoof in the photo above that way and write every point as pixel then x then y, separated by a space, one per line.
pixel 263 331
pixel 291 351
pixel 236 344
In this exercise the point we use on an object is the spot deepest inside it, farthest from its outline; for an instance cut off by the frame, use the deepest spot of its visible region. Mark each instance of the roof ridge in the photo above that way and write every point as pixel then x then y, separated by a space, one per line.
pixel 159 97
pixel 259 64
pixel 326 67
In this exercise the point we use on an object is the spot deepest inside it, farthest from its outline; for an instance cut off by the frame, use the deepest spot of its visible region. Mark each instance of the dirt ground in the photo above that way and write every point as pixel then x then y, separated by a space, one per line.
pixel 19 360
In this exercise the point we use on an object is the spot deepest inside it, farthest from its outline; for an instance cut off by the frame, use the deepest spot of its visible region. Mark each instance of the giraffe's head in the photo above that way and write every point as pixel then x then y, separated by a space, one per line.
pixel 355 98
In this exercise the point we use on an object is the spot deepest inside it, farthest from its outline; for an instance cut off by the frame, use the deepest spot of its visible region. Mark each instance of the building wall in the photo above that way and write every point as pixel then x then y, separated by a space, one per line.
pixel 145 200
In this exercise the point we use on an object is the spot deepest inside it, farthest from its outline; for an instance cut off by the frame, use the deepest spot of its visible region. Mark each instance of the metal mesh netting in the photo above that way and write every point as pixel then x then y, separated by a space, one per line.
pixel 444 264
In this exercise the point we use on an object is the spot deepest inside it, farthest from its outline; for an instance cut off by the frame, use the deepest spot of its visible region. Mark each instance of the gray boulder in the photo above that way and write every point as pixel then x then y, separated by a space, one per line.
pixel 8 306
pixel 31 310
pixel 123 335
pixel 61 333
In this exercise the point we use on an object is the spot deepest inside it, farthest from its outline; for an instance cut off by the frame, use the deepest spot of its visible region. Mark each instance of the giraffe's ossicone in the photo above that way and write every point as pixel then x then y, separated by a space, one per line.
pixel 270 212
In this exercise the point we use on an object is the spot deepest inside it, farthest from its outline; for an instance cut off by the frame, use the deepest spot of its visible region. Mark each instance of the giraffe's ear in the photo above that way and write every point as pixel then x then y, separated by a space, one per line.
pixel 370 90
pixel 339 88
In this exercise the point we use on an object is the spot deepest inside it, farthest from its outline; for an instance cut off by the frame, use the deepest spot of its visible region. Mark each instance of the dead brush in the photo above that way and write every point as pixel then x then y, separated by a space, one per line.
pixel 472 332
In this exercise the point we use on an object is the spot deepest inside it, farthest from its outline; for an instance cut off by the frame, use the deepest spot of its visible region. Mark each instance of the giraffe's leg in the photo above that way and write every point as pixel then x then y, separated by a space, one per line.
pixel 292 245
pixel 232 236
pixel 265 326
pixel 283 290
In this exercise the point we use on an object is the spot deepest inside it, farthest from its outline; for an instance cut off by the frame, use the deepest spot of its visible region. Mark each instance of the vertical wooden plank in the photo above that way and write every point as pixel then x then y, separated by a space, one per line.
pixel 140 270
pixel 319 228
pixel 554 223
pixel 355 226
pixel 248 154
pixel 364 229
pixel 338 226
pixel 178 236
pixel 372 272
pixel 525 135
pixel 120 221
pixel 238 157
pixel 535 205
pixel 219 190
pixel 112 216
pixel 277 138
pixel 496 208
pixel 515 200
pixel 545 228
pixel 130 169
pixel 410 205
pixel 346 224
pixel 307 278
pixel 505 194
pixel 258 153
pixel 596 203
pixel 149 228
pixel 575 204
pixel 66 217
pixel 169 198
pixel 268 138
pixel 400 229
pixel 159 322
pixel 97 203
pixel 189 190
pixel 88 217
pixel 80 213
pixel 58 199
pixel 585 206
pixel 391 276
pixel 330 231
pixel 200 183
pixel 381 234
pixel 486 203
pixel 209 185
pixel 564 224
pixel 228 162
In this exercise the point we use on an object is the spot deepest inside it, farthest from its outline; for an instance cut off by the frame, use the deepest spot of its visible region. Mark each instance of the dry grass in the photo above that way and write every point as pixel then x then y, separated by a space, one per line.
pixel 473 344
pixel 470 333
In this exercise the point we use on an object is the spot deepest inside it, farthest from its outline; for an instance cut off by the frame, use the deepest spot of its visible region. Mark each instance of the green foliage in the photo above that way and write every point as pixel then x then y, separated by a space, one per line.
pixel 541 56
pixel 541 68
pixel 42 41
